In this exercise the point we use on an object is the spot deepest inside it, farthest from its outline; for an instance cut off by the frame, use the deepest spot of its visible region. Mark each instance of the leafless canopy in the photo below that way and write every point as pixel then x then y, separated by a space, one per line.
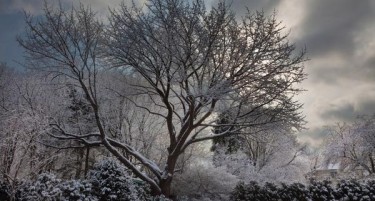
pixel 206 62
pixel 196 64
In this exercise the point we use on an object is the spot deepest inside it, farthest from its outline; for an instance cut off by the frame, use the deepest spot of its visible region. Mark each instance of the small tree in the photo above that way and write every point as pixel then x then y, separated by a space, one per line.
pixel 196 64
pixel 110 181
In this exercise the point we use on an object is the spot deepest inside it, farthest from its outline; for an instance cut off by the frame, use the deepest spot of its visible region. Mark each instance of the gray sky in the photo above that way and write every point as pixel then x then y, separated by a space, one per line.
pixel 338 34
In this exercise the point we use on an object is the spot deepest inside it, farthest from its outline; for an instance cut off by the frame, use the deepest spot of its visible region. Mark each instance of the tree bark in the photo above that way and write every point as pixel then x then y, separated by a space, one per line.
pixel 372 164
pixel 87 161
pixel 166 180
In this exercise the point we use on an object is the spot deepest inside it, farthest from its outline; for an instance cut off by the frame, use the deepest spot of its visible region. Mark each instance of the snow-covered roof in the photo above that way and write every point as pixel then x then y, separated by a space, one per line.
pixel 330 166
pixel 333 166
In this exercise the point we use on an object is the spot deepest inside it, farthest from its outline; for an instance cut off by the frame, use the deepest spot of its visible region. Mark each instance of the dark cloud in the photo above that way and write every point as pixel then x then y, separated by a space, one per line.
pixel 10 52
pixel 337 72
pixel 314 133
pixel 370 62
pixel 368 69
pixel 313 137
pixel 333 33
pixel 367 107
pixel 348 112
pixel 4 5
pixel 338 68
pixel 330 74
pixel 340 113
pixel 267 6
pixel 332 25
pixel 240 6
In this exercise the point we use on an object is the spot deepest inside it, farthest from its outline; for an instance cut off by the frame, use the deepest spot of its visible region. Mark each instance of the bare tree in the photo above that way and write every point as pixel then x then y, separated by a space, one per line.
pixel 65 43
pixel 196 64
pixel 62 44
pixel 352 145
pixel 199 63
pixel 22 122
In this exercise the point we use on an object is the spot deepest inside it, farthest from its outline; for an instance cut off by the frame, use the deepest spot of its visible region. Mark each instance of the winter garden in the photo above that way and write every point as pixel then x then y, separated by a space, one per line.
pixel 169 101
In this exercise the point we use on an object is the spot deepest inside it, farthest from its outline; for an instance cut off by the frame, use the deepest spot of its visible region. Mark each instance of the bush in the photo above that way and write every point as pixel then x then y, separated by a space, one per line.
pixel 110 181
pixel 5 191
pixel 107 181
pixel 254 192
pixel 270 192
pixel 316 191
pixel 48 187
pixel 353 190
pixel 295 191
pixel 74 190
pixel 321 190
pixel 370 189
pixel 44 188
pixel 159 198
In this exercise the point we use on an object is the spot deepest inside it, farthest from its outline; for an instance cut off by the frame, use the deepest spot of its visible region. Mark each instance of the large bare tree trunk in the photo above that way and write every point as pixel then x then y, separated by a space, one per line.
pixel 166 180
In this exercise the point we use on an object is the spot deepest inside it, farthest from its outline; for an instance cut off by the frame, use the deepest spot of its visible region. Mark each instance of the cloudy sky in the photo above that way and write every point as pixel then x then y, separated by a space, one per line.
pixel 339 36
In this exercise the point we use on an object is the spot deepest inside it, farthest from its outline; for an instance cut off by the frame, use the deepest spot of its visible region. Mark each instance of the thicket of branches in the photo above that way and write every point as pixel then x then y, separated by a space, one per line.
pixel 149 86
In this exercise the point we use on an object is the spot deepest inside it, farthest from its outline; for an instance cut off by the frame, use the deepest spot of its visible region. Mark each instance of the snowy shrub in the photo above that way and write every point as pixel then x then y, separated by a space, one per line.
pixel 76 190
pixel 159 198
pixel 110 181
pixel 295 191
pixel 271 190
pixel 321 190
pixel 370 189
pixel 316 191
pixel 353 190
pixel 5 191
pixel 48 188
pixel 107 181
pixel 253 192
pixel 44 188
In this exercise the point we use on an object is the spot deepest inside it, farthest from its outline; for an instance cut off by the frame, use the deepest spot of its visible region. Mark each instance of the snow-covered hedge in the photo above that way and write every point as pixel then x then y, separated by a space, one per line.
pixel 295 191
pixel 348 190
pixel 5 190
pixel 48 187
pixel 107 181
pixel 44 188
pixel 353 190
